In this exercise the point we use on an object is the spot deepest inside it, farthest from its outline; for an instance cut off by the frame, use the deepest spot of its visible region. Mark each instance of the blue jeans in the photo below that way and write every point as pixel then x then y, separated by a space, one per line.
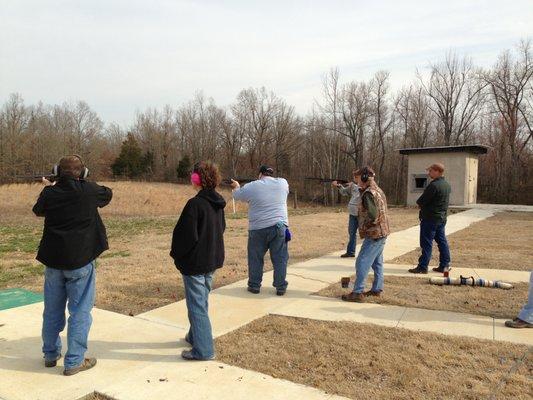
pixel 370 256
pixel 261 240
pixel 197 288
pixel 78 288
pixel 352 230
pixel 429 231
pixel 526 314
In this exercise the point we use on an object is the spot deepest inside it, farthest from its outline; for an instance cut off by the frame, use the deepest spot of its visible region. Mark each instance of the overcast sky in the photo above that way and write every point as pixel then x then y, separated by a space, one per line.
pixel 126 55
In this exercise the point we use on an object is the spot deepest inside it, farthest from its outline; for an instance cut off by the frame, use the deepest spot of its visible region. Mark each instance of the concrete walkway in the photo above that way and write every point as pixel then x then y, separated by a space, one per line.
pixel 137 360
pixel 417 319
pixel 138 357
pixel 496 207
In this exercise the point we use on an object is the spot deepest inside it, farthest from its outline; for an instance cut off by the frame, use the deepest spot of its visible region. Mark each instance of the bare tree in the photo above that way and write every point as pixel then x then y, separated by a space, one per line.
pixel 510 88
pixel 457 95
pixel 383 116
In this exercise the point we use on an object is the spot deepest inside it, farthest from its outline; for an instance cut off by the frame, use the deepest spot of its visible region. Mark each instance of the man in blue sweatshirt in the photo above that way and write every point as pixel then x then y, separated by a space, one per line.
pixel 352 190
pixel 268 223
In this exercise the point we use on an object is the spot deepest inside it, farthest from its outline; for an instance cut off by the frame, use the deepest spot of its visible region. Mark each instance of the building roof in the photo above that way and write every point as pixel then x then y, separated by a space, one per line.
pixel 475 149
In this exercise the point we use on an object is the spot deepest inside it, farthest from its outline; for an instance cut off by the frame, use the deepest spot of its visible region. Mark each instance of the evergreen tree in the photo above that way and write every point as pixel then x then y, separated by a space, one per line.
pixel 130 161
pixel 184 167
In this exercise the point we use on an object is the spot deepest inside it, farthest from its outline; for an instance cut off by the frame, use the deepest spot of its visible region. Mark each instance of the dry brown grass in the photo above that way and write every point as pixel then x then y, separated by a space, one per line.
pixel 504 241
pixel 96 396
pixel 129 199
pixel 418 292
pixel 137 274
pixel 363 361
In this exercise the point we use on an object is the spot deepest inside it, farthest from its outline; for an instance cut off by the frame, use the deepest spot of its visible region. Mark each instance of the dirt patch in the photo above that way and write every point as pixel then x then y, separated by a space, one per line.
pixel 417 292
pixel 503 241
pixel 364 361
pixel 97 396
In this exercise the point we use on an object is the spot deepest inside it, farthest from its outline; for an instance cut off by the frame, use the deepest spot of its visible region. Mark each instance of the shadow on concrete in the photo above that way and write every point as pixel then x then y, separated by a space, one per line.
pixel 428 316
pixel 266 292
pixel 25 354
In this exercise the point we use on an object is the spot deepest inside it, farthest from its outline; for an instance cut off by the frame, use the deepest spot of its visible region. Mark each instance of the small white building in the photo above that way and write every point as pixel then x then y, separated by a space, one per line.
pixel 460 170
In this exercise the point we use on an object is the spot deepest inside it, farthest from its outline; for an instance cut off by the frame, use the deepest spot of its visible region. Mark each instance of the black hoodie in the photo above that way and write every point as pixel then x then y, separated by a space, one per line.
pixel 198 238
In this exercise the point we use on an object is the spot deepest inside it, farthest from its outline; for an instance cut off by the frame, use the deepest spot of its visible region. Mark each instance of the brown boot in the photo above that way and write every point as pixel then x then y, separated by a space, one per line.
pixel 518 323
pixel 87 363
pixel 354 297
pixel 372 293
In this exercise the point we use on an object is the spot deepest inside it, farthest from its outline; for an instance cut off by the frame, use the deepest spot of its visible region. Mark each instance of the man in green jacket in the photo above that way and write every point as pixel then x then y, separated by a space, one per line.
pixel 433 206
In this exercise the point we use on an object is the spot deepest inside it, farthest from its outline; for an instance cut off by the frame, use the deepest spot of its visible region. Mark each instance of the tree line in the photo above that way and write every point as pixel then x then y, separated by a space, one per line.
pixel 354 123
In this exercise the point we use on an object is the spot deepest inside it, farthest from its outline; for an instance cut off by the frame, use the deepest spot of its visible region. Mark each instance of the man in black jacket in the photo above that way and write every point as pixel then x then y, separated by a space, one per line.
pixel 73 237
pixel 433 204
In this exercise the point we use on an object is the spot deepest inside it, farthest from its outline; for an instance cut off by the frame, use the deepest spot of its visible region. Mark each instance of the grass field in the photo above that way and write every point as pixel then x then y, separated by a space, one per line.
pixel 136 274
pixel 364 361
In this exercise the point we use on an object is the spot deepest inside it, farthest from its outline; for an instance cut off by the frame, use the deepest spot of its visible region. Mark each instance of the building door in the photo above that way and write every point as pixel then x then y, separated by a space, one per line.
pixel 472 180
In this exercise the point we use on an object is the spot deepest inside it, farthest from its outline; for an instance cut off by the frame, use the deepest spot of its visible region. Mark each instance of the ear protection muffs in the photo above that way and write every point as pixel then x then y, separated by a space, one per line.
pixel 365 174
pixel 196 178
pixel 56 169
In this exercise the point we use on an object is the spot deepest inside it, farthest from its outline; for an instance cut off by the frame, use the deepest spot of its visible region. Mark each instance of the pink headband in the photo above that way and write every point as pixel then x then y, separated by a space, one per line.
pixel 196 179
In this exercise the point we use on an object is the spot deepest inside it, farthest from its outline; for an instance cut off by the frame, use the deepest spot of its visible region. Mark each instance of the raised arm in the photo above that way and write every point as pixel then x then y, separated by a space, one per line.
pixel 104 196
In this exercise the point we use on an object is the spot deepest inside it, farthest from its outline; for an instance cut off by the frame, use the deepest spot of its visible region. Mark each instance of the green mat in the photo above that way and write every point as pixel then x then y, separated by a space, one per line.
pixel 11 298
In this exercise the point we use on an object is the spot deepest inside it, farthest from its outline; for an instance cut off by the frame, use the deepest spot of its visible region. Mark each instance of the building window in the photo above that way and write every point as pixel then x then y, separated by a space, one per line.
pixel 419 182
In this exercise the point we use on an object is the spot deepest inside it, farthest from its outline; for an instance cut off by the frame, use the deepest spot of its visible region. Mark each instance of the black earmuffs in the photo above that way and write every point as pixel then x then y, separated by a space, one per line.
pixel 365 174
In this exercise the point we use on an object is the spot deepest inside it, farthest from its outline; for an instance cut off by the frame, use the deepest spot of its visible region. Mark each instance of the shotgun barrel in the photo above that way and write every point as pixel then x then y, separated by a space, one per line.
pixel 37 177
pixel 328 180
pixel 227 181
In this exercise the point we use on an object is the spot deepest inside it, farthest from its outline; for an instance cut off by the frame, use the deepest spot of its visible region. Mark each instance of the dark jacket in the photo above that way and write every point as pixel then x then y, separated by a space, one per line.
pixel 74 234
pixel 198 238
pixel 434 201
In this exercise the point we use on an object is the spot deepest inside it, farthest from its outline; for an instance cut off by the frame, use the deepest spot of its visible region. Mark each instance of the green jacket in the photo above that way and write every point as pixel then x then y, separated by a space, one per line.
pixel 434 201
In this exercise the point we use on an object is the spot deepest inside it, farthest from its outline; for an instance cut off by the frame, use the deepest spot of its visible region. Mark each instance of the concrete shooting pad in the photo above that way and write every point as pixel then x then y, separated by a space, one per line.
pixel 139 357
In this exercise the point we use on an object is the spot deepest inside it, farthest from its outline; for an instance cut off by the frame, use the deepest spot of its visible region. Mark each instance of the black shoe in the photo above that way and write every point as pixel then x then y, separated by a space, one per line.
pixel 51 363
pixel 441 270
pixel 253 290
pixel 418 270
pixel 280 292
pixel 346 255
pixel 187 355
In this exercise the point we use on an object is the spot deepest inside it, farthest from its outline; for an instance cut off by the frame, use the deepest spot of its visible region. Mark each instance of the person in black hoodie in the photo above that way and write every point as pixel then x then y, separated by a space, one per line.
pixel 198 250
pixel 73 237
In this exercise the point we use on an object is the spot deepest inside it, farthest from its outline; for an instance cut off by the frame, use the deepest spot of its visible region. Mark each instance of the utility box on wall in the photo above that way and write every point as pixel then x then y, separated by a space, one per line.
pixel 460 170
